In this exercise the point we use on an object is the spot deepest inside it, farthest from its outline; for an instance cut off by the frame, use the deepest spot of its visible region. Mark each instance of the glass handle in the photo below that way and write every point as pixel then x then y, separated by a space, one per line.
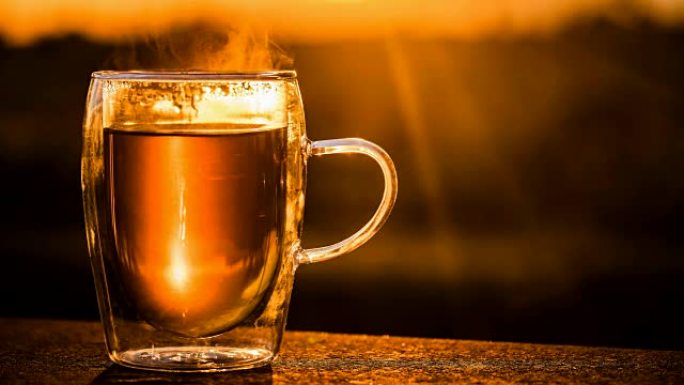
pixel 389 196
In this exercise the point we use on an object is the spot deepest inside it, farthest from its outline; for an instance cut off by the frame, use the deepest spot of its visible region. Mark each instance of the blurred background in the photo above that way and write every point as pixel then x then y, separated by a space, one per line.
pixel 539 147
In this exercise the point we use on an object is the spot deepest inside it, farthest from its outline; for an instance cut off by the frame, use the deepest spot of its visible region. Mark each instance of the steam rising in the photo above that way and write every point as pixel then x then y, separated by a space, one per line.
pixel 204 47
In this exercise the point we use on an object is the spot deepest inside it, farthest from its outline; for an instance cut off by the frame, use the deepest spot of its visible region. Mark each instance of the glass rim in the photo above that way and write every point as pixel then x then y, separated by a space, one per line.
pixel 145 75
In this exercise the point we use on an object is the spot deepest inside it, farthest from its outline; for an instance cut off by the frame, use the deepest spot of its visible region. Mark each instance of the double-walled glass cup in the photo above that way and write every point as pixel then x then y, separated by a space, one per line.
pixel 193 189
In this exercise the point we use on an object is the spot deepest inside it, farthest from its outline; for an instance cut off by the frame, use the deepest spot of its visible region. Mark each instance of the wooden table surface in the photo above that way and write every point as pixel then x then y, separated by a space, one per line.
pixel 72 352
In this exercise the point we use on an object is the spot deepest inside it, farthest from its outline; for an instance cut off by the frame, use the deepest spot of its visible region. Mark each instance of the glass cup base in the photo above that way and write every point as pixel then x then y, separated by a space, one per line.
pixel 194 359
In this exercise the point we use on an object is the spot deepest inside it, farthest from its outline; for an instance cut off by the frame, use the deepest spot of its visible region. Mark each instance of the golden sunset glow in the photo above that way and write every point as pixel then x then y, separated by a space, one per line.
pixel 23 21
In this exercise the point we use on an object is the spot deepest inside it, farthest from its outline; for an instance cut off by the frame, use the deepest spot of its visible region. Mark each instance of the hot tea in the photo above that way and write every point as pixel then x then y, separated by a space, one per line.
pixel 197 212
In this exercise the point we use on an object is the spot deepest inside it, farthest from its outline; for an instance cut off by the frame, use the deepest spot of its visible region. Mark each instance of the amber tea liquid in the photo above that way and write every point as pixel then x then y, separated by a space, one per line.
pixel 197 212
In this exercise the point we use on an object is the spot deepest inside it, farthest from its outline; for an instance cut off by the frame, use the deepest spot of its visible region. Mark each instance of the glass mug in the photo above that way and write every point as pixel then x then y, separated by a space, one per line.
pixel 193 190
